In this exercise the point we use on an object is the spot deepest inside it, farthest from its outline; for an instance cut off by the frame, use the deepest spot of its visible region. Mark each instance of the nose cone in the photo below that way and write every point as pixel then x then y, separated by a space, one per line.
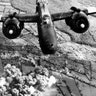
pixel 49 48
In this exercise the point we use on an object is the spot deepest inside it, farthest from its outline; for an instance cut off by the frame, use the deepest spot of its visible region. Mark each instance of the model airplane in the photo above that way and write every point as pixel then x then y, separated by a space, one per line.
pixel 75 18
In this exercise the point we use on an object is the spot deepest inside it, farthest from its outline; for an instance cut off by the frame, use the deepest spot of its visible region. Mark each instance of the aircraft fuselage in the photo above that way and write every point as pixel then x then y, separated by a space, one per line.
pixel 47 34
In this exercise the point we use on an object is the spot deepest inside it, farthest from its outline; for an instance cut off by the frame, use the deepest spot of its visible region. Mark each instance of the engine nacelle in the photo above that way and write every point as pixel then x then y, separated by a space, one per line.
pixel 12 28
pixel 78 22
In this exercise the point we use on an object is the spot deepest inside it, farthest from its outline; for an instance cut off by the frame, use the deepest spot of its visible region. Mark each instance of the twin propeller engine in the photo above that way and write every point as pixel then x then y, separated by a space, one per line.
pixel 78 22
pixel 12 27
pixel 76 19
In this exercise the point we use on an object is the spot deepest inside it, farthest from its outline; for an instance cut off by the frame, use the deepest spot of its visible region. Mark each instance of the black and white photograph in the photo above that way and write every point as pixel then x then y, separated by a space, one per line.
pixel 47 48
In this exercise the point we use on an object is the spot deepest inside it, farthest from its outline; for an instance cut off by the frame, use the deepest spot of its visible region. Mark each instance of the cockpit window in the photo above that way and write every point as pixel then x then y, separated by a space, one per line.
pixel 46 19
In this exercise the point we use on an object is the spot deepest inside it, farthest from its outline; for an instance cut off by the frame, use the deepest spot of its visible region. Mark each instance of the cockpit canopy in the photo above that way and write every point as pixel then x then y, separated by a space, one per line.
pixel 46 19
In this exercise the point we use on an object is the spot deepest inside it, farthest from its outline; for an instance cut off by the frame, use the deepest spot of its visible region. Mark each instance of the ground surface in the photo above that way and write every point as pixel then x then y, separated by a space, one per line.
pixel 27 50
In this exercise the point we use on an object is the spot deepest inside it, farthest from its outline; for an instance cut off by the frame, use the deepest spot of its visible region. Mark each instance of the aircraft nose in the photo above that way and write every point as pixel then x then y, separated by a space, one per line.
pixel 51 46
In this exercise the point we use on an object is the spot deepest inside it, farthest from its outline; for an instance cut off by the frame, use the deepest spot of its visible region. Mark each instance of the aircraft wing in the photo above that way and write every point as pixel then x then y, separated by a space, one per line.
pixel 27 18
pixel 13 23
pixel 64 15
pixel 61 16
pixel 75 18
pixel 33 18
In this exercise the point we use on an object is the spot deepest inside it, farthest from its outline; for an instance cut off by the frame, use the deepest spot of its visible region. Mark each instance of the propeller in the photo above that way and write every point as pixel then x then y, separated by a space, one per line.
pixel 78 22
pixel 12 27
